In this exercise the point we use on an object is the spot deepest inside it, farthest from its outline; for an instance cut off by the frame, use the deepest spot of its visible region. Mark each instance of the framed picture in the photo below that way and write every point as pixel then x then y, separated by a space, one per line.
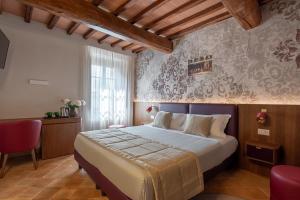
pixel 200 65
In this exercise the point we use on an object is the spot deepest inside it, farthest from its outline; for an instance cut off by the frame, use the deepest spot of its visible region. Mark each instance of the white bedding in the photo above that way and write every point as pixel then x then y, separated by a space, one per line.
pixel 120 172
pixel 211 151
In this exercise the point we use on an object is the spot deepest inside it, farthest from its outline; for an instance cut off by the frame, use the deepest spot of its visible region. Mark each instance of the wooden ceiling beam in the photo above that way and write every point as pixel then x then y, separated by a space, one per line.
pixel 116 42
pixel 184 7
pixel 121 8
pixel 116 12
pixel 28 13
pixel 72 28
pixel 138 50
pixel 139 15
pixel 1 6
pixel 263 2
pixel 246 12
pixel 100 20
pixel 200 14
pixel 97 2
pixel 100 40
pixel 202 24
pixel 89 33
pixel 53 21
pixel 128 46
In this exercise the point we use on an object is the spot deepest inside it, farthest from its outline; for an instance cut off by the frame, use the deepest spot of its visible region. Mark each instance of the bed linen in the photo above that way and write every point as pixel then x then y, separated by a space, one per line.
pixel 131 179
pixel 175 173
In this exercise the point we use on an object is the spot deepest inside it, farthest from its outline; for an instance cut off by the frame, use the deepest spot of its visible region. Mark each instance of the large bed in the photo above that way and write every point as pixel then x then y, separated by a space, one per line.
pixel 122 179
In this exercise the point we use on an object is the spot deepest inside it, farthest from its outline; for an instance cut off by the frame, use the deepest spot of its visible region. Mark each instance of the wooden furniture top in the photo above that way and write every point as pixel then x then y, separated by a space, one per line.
pixel 61 120
pixel 263 145
pixel 135 24
pixel 48 121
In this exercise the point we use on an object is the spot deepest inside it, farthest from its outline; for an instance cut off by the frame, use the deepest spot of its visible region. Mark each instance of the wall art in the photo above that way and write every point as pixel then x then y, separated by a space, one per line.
pixel 200 65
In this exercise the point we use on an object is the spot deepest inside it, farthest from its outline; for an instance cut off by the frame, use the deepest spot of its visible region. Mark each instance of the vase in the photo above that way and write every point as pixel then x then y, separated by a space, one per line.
pixel 72 112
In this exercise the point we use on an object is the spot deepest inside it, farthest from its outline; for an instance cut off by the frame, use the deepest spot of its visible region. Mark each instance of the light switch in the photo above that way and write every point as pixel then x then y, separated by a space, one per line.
pixel 265 132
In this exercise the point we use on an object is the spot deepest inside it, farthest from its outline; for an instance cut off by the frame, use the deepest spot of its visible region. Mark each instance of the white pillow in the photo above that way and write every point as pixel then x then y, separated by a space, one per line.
pixel 162 120
pixel 198 125
pixel 177 121
pixel 219 123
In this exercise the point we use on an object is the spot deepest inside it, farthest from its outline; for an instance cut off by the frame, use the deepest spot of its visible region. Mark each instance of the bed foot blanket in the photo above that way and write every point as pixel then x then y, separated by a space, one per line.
pixel 175 173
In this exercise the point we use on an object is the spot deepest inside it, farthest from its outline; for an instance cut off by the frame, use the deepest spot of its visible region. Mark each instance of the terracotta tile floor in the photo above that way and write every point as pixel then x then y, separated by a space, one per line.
pixel 60 179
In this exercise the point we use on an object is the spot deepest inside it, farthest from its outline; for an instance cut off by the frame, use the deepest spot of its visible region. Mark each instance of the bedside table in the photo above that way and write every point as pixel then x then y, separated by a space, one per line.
pixel 265 153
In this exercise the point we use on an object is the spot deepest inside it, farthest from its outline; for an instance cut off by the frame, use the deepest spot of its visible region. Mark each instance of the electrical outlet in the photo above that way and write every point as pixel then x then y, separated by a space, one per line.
pixel 265 132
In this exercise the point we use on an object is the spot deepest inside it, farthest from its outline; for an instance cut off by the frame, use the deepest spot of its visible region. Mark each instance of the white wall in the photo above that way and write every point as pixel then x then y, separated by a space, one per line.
pixel 38 53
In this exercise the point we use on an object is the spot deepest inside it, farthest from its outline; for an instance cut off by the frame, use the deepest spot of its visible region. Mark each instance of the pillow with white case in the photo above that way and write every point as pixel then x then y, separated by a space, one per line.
pixel 177 121
pixel 218 125
pixel 162 120
pixel 198 125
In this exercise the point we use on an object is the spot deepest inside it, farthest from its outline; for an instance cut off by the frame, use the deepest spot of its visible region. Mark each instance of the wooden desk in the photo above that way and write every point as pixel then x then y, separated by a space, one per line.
pixel 58 136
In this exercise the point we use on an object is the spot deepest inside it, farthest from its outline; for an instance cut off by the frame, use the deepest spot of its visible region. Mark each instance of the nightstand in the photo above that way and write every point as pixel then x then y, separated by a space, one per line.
pixel 260 152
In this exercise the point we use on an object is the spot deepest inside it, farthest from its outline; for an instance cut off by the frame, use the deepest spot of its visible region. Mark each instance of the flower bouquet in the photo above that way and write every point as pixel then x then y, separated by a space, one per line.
pixel 152 111
pixel 72 106
pixel 149 109
pixel 261 117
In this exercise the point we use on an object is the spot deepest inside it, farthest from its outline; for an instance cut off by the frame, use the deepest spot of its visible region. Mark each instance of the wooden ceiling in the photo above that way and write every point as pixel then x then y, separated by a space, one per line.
pixel 134 24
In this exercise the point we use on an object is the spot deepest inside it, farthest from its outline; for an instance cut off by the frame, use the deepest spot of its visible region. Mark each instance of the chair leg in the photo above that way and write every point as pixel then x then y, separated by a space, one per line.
pixel 35 164
pixel 2 171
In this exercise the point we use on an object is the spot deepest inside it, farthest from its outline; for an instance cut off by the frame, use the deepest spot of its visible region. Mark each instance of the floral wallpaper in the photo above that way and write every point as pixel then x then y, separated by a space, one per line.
pixel 261 65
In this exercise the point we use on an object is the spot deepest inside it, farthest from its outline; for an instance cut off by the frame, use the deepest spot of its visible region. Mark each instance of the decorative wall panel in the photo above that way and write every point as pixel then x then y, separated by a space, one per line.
pixel 261 65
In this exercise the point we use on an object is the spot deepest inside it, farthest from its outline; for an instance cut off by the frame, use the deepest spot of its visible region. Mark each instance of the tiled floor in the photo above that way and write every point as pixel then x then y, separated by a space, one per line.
pixel 60 179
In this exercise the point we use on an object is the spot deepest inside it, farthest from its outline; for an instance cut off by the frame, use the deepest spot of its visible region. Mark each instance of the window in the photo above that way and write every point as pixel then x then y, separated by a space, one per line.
pixel 110 88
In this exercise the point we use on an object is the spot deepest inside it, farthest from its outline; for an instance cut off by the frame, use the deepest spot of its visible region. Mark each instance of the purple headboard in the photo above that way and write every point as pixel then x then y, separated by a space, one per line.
pixel 207 109
pixel 174 107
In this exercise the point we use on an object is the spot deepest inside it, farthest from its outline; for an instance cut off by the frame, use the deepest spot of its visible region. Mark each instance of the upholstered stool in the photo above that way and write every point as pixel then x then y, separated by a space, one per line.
pixel 285 183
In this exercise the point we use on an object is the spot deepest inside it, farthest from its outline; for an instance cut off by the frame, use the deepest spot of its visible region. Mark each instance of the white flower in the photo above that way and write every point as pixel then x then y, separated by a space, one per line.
pixel 83 103
pixel 65 101
pixel 77 103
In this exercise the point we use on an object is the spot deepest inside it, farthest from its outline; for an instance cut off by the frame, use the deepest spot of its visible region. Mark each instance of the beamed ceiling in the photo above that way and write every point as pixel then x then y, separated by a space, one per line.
pixel 134 25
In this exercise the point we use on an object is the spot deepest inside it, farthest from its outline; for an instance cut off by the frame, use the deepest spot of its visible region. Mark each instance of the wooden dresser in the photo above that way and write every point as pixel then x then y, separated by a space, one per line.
pixel 58 136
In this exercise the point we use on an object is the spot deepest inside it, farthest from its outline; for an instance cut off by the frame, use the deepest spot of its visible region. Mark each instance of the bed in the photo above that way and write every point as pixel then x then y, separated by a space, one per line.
pixel 113 173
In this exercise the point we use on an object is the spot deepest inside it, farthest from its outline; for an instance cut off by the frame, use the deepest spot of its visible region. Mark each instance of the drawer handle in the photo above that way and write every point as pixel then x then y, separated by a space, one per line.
pixel 258 147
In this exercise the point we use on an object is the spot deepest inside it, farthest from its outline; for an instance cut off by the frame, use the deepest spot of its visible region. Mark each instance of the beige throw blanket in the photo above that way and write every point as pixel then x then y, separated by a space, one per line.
pixel 175 173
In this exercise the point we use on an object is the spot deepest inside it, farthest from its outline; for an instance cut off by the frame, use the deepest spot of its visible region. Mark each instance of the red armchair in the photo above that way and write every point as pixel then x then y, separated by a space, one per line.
pixel 19 136
pixel 285 183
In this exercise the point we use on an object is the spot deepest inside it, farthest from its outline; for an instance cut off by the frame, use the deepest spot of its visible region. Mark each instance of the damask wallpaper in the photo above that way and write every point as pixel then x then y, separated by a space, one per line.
pixel 261 65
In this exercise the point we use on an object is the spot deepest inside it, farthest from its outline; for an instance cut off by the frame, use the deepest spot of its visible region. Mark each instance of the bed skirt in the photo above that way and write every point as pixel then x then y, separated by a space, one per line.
pixel 114 193
pixel 101 181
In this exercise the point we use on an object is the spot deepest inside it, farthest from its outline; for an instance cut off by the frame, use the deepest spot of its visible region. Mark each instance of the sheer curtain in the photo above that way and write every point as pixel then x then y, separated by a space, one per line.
pixel 107 88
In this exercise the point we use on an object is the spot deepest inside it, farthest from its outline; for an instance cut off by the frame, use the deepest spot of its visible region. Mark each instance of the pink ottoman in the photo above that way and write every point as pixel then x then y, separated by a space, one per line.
pixel 285 183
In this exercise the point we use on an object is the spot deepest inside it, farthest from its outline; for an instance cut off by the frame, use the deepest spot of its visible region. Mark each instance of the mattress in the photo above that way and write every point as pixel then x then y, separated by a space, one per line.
pixel 210 151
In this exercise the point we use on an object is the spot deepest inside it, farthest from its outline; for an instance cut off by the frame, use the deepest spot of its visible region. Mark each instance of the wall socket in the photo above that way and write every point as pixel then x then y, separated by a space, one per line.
pixel 265 132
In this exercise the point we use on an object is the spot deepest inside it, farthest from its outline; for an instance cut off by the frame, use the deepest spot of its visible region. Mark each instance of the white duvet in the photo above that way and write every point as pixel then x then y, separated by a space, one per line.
pixel 131 179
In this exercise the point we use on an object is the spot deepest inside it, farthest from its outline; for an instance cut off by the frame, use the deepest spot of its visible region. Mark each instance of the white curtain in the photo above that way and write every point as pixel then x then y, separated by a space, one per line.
pixel 107 88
